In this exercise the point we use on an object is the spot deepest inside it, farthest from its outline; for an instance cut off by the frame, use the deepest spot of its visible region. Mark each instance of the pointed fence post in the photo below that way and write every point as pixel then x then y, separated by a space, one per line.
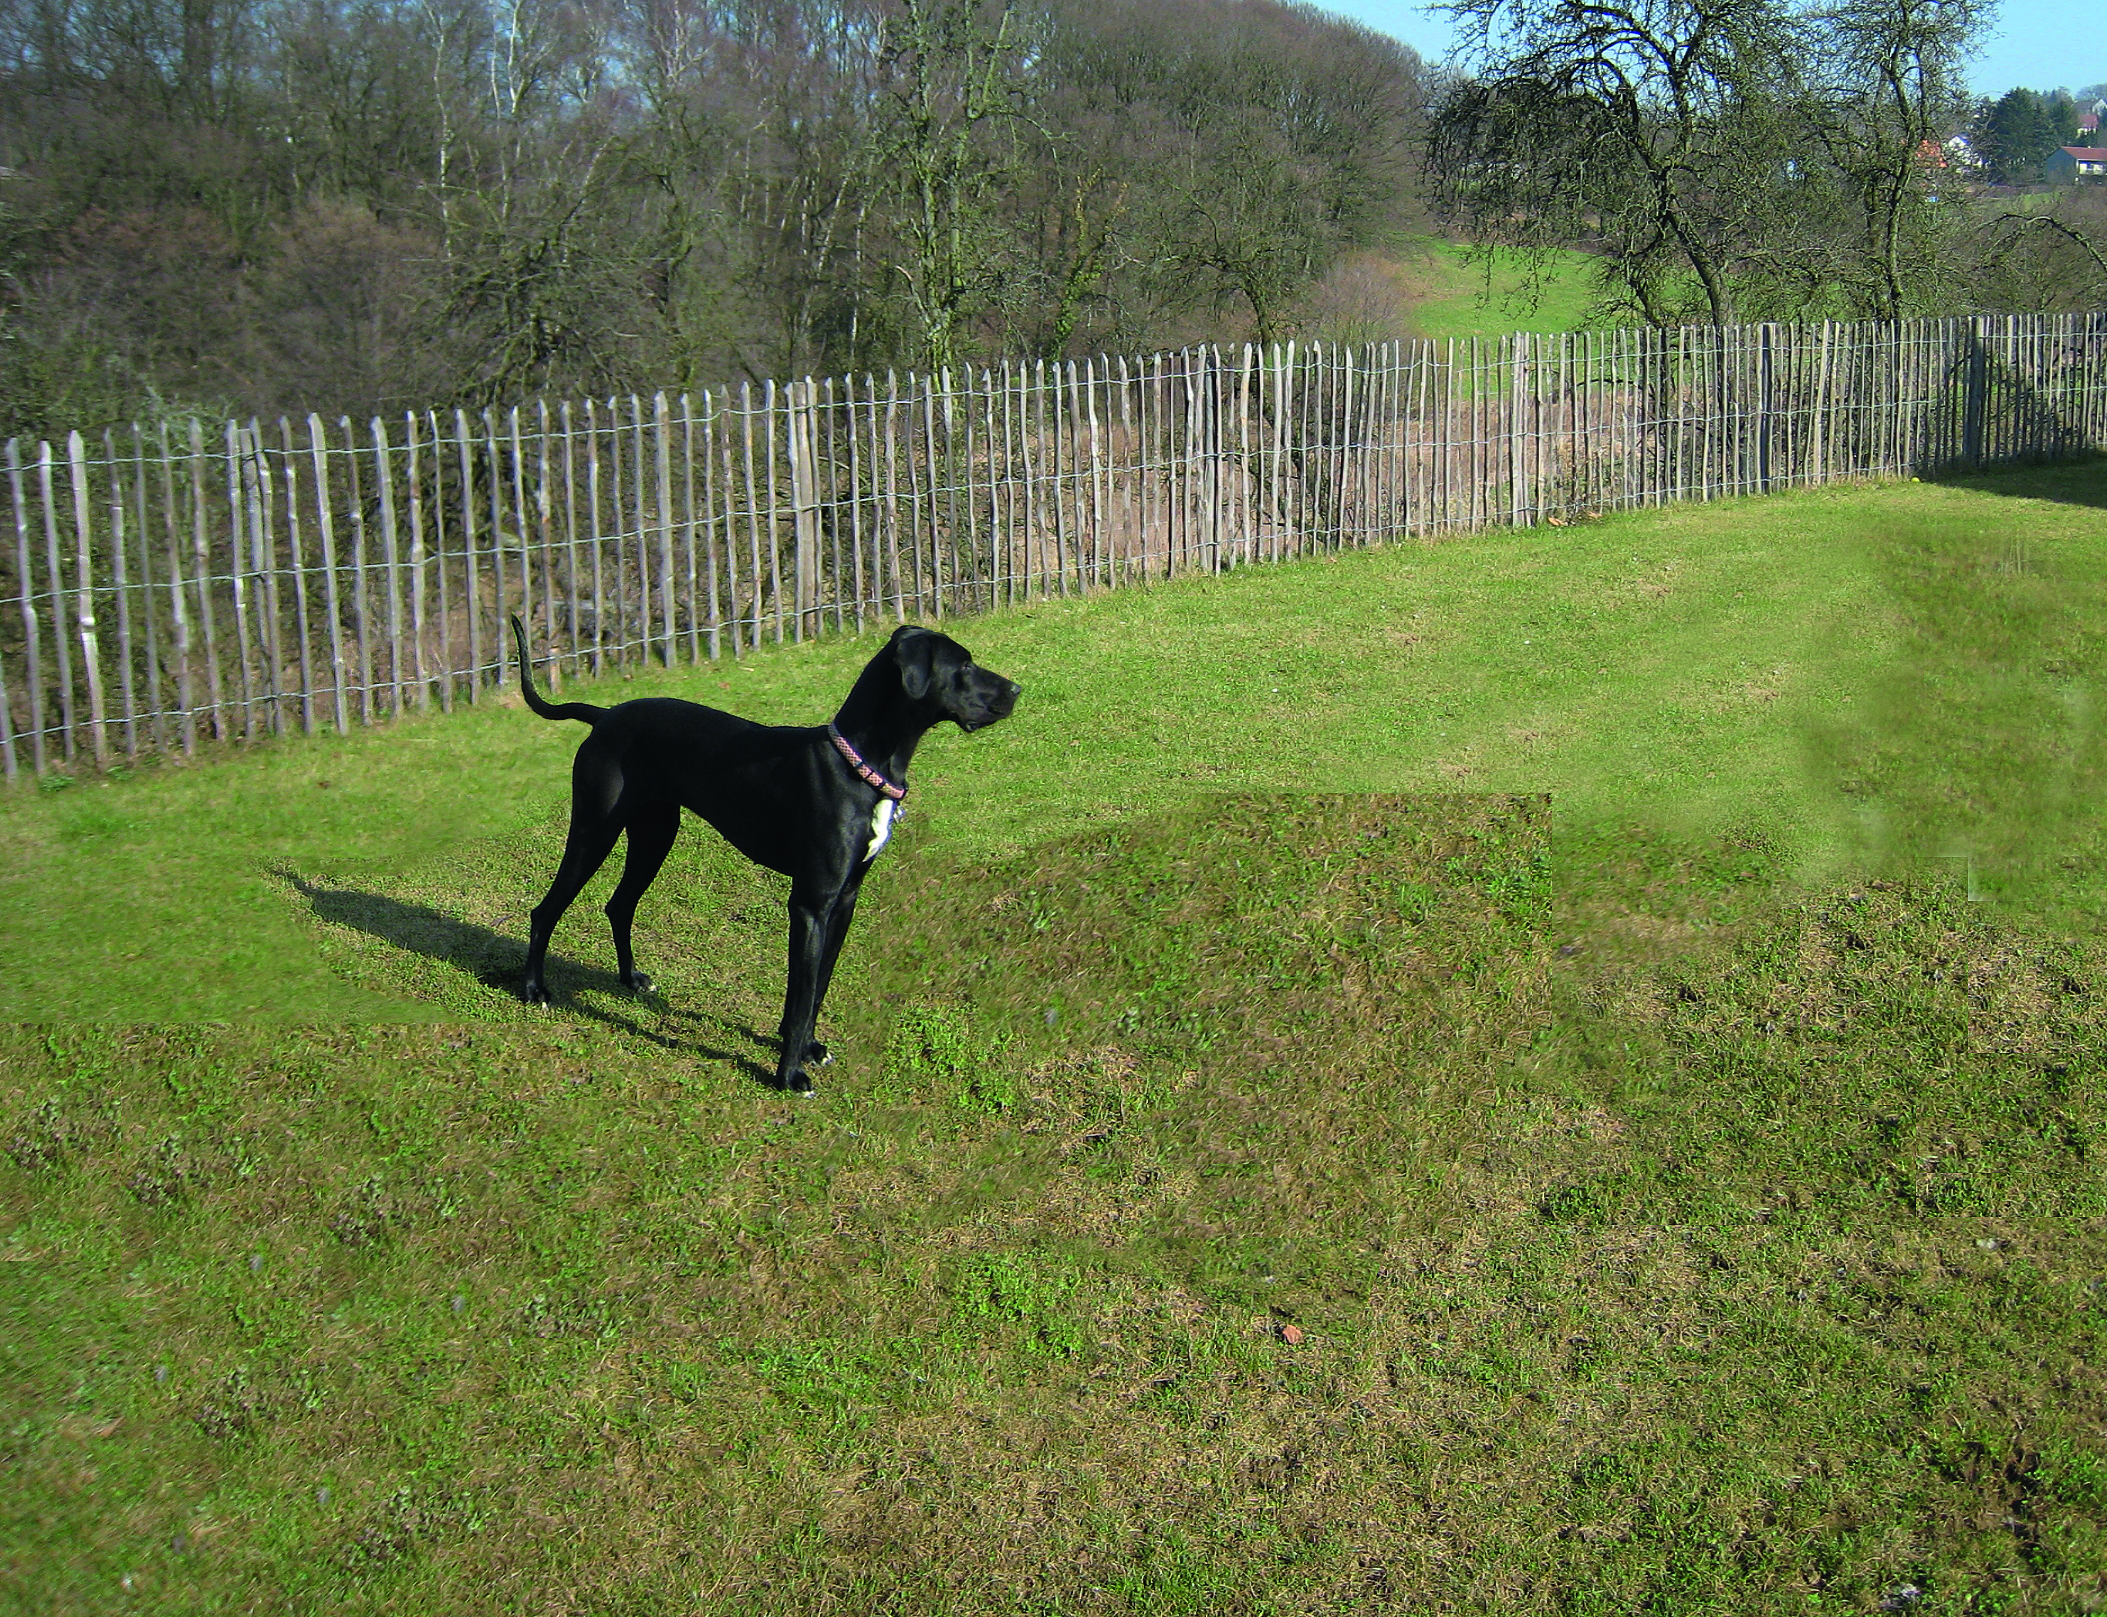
pixel 84 600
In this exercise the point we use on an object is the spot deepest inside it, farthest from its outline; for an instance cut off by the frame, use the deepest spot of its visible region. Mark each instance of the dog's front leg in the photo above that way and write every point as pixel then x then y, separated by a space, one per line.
pixel 811 910
pixel 843 913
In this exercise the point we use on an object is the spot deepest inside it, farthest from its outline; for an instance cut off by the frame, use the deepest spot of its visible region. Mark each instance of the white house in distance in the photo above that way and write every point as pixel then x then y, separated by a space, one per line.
pixel 2070 163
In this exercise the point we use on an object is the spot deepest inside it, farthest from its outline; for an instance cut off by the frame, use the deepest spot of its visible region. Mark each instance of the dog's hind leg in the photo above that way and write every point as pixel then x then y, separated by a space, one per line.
pixel 651 833
pixel 596 820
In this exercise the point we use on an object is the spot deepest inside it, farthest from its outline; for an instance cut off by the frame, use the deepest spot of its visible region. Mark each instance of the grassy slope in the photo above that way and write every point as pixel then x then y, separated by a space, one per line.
pixel 1663 1220
pixel 1874 674
pixel 1450 294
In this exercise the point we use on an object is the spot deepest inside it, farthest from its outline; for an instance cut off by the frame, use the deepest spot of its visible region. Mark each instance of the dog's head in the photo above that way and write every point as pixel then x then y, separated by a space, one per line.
pixel 936 669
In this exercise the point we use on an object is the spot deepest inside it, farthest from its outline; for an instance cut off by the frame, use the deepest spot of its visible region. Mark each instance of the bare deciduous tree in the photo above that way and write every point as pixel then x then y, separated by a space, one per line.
pixel 1728 158
pixel 1651 125
pixel 375 204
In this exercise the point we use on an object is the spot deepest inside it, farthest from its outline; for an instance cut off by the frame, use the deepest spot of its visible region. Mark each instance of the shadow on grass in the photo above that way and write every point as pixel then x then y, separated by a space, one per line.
pixel 2081 480
pixel 497 962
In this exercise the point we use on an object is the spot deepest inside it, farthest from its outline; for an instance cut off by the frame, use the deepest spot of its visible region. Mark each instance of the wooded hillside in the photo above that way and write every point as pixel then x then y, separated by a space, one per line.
pixel 364 205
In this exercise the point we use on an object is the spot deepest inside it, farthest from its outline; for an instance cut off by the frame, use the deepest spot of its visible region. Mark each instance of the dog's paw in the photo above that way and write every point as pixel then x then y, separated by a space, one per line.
pixel 638 984
pixel 799 1084
pixel 817 1055
pixel 536 995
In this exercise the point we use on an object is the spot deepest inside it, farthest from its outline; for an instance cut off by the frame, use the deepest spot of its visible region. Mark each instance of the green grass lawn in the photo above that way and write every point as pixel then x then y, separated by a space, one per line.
pixel 1452 292
pixel 1557 1072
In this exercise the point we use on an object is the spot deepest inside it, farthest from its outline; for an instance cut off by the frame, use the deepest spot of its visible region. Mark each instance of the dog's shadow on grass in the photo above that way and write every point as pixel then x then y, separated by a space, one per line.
pixel 497 962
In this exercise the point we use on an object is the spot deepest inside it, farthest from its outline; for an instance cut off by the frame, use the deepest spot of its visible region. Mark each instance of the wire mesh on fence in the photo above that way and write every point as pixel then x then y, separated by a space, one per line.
pixel 169 585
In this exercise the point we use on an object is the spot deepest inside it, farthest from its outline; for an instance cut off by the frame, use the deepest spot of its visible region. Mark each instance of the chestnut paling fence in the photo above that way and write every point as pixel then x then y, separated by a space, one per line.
pixel 178 582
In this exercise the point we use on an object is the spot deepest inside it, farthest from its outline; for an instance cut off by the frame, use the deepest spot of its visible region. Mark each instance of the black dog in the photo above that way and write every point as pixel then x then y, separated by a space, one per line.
pixel 814 804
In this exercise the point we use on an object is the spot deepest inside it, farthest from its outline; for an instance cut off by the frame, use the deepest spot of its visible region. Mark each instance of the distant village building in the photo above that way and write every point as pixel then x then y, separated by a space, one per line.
pixel 2068 164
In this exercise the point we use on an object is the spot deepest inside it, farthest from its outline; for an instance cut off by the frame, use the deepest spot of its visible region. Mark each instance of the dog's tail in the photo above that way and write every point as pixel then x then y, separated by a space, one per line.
pixel 583 711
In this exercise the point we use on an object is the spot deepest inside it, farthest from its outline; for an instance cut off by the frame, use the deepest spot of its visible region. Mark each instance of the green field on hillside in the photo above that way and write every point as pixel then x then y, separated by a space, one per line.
pixel 1452 292
pixel 1554 1072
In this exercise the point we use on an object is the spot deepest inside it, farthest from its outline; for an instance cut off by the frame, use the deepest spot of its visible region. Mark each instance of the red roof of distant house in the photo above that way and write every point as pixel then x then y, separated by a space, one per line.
pixel 2088 154
pixel 2089 121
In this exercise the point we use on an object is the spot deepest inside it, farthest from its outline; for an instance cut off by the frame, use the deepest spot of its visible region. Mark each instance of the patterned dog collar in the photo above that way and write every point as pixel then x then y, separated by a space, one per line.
pixel 864 771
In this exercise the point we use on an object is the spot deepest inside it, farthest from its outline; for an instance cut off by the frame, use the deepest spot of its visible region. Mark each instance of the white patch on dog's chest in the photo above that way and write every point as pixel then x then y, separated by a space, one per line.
pixel 881 827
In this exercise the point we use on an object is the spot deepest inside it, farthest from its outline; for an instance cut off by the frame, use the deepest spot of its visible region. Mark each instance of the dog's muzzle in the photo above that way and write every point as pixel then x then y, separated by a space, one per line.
pixel 996 705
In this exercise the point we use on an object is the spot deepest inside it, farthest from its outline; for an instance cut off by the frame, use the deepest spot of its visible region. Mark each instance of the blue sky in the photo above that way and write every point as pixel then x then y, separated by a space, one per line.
pixel 2042 44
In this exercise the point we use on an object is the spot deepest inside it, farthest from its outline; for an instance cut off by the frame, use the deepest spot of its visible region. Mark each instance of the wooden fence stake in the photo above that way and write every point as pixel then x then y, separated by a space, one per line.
pixel 413 489
pixel 178 605
pixel 501 600
pixel 238 560
pixel 693 610
pixel 662 433
pixel 833 503
pixel 391 556
pixel 709 519
pixel 332 603
pixel 544 530
pixel 442 584
pixel 121 589
pixel 263 553
pixel 796 421
pixel 297 561
pixel 726 466
pixel 32 635
pixel 361 599
pixel 753 513
pixel 84 596
pixel 68 700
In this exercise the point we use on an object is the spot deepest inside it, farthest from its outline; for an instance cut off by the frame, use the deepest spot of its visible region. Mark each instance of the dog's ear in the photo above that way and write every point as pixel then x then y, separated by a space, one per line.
pixel 914 650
